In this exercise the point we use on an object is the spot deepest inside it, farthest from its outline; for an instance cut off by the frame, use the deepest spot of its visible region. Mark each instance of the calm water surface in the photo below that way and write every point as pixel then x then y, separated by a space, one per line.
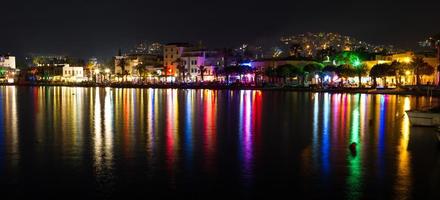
pixel 88 142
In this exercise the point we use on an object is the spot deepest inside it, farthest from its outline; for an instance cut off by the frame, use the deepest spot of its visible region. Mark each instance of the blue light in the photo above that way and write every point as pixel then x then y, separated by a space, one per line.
pixel 246 64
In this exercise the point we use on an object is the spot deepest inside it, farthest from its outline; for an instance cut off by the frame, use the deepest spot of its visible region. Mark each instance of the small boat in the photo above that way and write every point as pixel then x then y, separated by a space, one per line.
pixel 429 117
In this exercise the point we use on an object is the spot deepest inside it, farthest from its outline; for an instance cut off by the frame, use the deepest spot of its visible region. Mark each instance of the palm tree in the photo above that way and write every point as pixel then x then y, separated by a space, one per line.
pixel 421 68
pixel 181 68
pixel 398 68
pixel 270 73
pixel 122 64
pixel 217 71
pixel 381 71
pixel 345 71
pixel 360 71
pixel 142 71
pixel 283 71
pixel 202 69
pixel 311 69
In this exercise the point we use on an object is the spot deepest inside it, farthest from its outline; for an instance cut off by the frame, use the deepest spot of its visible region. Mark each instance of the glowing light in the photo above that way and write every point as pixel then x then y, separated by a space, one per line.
pixel 407 72
pixel 246 64
pixel 407 60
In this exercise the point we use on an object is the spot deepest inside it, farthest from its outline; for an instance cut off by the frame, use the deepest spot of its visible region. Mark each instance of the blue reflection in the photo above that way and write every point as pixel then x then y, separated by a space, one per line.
pixel 325 146
pixel 315 128
pixel 189 130
pixel 381 139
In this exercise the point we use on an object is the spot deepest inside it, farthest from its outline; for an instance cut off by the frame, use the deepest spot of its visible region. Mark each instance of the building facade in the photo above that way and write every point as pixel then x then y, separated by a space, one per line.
pixel 130 64
pixel 408 77
pixel 195 61
pixel 69 73
pixel 171 57
pixel 7 61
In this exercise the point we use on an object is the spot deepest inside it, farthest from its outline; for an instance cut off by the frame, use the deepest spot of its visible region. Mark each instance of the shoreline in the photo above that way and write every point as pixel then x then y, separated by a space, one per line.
pixel 435 92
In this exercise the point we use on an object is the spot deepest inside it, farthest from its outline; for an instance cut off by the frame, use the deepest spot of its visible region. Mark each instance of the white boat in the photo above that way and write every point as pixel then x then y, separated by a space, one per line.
pixel 423 118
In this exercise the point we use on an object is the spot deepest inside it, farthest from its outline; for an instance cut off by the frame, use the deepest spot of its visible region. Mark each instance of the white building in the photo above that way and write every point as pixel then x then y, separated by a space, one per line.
pixel 70 73
pixel 7 61
pixel 193 62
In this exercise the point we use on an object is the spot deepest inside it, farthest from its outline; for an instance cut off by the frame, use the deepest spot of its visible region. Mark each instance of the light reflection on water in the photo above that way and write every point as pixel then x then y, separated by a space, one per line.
pixel 172 139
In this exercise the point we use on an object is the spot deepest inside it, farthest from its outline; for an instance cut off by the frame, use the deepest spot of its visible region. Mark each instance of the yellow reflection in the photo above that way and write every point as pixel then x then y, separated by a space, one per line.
pixel 403 179
pixel 11 120
pixel 108 127
pixel 103 135
pixel 99 154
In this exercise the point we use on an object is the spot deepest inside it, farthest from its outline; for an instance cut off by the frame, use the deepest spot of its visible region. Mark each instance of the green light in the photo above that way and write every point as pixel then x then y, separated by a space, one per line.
pixel 348 57
pixel 356 62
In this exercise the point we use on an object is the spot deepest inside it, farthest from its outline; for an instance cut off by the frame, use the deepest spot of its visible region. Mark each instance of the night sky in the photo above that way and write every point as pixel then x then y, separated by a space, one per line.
pixel 98 28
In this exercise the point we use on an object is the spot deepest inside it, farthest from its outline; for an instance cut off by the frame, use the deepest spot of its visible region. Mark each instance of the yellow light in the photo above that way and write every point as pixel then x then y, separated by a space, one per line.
pixel 407 72
pixel 107 70
pixel 407 60
pixel 97 71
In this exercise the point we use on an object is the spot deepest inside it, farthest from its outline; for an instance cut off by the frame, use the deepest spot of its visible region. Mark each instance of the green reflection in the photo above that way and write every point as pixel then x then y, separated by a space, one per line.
pixel 354 179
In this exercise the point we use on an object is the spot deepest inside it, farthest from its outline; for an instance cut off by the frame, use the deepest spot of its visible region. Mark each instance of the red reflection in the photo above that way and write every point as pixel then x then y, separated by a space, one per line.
pixel 210 126
pixel 171 128
pixel 256 115
pixel 35 93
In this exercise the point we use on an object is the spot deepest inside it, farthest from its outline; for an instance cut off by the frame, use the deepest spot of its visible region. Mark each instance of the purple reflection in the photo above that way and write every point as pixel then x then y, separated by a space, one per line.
pixel 245 133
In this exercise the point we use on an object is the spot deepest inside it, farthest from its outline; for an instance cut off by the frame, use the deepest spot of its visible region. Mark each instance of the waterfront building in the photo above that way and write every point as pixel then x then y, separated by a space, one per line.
pixel 69 73
pixel 134 66
pixel 197 60
pixel 409 77
pixel 171 59
pixel 7 61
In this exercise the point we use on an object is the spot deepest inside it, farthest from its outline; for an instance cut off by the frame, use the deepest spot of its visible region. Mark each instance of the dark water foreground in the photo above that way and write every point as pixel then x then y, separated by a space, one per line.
pixel 64 142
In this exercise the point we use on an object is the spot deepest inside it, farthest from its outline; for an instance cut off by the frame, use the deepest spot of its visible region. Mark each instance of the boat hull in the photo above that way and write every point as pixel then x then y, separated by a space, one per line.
pixel 420 118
